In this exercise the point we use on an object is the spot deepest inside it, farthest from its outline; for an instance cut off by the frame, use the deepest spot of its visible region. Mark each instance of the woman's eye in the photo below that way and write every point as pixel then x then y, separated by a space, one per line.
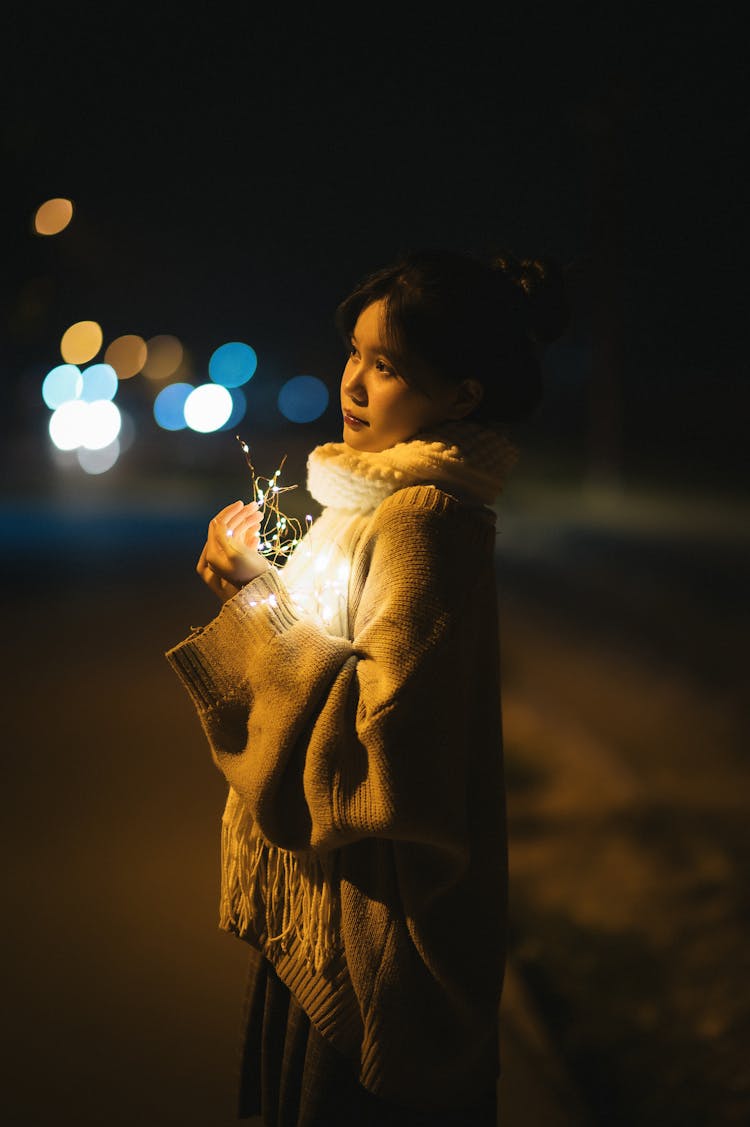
pixel 381 366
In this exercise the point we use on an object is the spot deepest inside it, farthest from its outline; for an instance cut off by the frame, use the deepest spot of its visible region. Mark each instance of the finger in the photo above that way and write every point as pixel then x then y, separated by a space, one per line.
pixel 209 577
pixel 219 538
pixel 249 538
pixel 202 563
pixel 233 540
pixel 228 512
pixel 249 510
pixel 221 542
pixel 249 523
pixel 204 566
pixel 215 556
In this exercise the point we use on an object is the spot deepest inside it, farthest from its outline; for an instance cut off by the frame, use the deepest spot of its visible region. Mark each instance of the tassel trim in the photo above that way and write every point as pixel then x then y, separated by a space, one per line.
pixel 275 895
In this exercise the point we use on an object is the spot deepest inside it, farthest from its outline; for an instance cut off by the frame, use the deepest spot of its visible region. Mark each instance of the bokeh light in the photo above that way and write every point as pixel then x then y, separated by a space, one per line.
pixel 67 424
pixel 303 398
pixel 99 461
pixel 127 355
pixel 101 424
pixel 99 382
pixel 232 364
pixel 62 383
pixel 53 216
pixel 81 342
pixel 169 406
pixel 164 356
pixel 239 408
pixel 208 407
pixel 91 425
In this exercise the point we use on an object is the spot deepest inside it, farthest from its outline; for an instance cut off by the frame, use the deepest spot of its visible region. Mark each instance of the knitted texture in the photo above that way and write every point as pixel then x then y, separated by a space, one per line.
pixel 467 460
pixel 365 846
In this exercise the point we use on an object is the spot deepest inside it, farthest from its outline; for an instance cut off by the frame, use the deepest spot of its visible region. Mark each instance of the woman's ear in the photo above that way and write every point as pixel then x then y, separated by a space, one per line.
pixel 468 396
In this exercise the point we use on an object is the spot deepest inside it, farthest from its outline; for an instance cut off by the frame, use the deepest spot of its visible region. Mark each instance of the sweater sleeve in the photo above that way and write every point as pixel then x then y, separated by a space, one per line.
pixel 330 740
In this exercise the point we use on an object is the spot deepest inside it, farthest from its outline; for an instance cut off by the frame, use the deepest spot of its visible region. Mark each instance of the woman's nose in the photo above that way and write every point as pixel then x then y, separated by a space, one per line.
pixel 354 387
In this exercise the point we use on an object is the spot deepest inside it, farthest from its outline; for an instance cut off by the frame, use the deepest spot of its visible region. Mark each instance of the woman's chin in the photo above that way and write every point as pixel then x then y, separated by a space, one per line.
pixel 360 440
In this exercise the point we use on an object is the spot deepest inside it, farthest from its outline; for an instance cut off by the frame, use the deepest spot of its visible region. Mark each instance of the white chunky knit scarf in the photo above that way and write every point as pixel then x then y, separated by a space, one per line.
pixel 465 459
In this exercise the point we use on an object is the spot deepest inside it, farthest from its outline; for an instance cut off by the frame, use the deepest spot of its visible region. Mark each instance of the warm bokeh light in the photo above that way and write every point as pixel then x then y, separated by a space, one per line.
pixel 169 406
pixel 99 382
pixel 164 356
pixel 208 407
pixel 61 384
pixel 81 342
pixel 53 216
pixel 127 355
pixel 232 364
pixel 303 398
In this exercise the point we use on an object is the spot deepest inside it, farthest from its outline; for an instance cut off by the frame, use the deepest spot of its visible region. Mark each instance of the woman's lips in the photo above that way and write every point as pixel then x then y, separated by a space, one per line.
pixel 353 422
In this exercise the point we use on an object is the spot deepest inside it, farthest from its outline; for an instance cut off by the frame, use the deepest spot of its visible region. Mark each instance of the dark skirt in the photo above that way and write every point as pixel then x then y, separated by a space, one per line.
pixel 292 1077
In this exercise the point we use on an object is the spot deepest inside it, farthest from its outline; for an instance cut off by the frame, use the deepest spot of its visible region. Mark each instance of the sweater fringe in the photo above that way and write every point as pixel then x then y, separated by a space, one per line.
pixel 275 895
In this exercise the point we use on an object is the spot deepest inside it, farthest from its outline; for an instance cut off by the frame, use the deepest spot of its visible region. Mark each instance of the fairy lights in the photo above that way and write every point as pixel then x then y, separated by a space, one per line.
pixel 320 581
pixel 279 534
pixel 321 590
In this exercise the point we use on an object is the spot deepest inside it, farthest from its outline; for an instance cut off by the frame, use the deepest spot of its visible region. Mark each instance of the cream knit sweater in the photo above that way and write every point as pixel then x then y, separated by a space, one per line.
pixel 352 701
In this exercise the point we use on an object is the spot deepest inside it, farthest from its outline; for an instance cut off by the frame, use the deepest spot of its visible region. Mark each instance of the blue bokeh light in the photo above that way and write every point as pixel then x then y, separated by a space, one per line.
pixel 239 408
pixel 61 384
pixel 232 364
pixel 99 382
pixel 169 406
pixel 303 398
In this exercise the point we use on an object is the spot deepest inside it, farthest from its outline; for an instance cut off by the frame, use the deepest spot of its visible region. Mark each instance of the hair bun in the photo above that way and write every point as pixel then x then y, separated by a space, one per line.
pixel 541 283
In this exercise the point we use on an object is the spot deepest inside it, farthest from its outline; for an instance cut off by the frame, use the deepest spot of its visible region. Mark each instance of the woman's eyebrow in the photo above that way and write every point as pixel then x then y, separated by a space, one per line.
pixel 380 351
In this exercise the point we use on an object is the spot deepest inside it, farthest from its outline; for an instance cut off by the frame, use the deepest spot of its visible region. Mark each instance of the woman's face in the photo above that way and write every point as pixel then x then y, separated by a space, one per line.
pixel 379 407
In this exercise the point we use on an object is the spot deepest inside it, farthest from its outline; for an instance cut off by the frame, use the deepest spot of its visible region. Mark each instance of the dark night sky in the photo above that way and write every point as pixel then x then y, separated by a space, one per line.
pixel 233 175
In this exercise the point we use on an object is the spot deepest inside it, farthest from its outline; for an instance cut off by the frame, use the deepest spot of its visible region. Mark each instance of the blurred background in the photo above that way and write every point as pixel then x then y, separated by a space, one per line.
pixel 188 197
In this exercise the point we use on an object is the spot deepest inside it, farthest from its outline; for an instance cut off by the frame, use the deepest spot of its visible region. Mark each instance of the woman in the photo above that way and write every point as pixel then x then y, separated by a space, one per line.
pixel 352 701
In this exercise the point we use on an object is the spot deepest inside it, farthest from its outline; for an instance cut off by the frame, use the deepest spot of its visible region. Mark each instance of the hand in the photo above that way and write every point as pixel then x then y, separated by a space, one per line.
pixel 230 556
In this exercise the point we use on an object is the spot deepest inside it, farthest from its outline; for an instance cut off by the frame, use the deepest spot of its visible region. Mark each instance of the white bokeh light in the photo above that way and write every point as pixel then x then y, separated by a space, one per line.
pixel 208 407
pixel 102 424
pixel 98 461
pixel 67 424
pixel 91 425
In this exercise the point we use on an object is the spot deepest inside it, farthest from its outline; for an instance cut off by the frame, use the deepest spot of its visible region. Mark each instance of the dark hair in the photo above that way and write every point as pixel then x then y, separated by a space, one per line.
pixel 455 316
